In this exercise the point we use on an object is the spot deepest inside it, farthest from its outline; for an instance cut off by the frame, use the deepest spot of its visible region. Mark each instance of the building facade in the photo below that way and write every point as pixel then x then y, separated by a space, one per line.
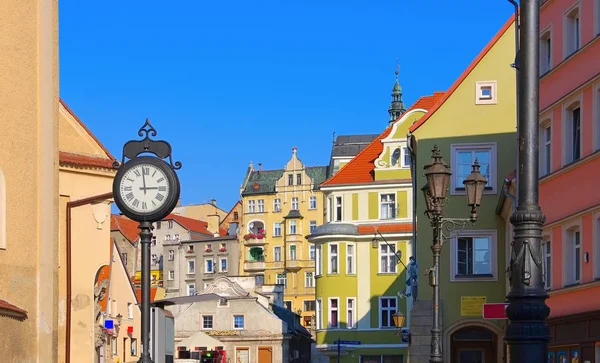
pixel 200 211
pixel 476 119
pixel 280 207
pixel 126 235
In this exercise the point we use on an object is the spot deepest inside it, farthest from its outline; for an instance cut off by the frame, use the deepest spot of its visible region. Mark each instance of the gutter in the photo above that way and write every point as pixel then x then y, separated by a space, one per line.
pixel 71 205
pixel 413 168
pixel 506 194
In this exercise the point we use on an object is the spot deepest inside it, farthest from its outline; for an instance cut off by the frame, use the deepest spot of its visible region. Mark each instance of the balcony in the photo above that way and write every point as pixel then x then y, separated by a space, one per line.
pixel 293 265
pixel 255 242
pixel 255 266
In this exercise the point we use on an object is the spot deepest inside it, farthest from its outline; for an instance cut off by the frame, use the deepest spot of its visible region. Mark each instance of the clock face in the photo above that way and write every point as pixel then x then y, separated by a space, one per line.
pixel 144 188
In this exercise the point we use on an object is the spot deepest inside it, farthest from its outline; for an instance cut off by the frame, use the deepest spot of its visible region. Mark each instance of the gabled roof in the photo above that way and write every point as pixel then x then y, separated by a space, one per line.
pixel 361 168
pixel 464 75
pixel 9 310
pixel 128 227
pixel 193 225
pixel 264 181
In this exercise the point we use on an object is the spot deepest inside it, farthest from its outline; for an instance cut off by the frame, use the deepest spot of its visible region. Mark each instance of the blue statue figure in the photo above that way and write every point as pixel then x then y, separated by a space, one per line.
pixel 412 283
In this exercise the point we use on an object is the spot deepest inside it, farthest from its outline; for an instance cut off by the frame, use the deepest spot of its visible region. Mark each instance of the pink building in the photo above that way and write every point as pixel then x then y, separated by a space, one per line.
pixel 570 175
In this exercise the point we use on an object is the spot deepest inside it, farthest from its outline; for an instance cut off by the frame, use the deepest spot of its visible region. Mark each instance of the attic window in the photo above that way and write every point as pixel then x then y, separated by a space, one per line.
pixel 486 93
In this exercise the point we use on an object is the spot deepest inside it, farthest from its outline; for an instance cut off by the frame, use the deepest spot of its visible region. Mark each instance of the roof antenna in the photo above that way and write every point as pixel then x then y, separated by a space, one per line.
pixel 333 141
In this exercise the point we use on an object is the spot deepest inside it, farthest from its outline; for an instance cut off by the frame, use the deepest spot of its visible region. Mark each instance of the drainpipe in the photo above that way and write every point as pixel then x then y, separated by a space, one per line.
pixel 413 167
pixel 71 205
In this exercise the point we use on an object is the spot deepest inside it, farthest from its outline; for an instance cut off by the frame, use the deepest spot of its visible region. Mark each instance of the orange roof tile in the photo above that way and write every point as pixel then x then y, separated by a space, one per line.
pixel 464 75
pixel 138 294
pixel 386 228
pixel 128 227
pixel 361 168
pixel 8 309
pixel 193 225
pixel 84 160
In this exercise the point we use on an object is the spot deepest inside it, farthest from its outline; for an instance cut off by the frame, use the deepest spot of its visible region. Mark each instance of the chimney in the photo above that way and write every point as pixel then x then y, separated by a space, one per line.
pixel 214 220
pixel 259 166
pixel 213 202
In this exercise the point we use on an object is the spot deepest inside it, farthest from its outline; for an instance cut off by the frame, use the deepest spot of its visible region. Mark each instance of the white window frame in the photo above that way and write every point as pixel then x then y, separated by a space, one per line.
pixel 171 255
pixel 192 263
pixel 277 205
pixel 277 253
pixel 261 206
pixel 295 203
pixel 339 208
pixel 492 182
pixel 319 313
pixel 547 248
pixel 571 30
pixel 545 145
pixel 405 154
pixel 243 321
pixel 277 229
pixel 293 252
pixel 221 259
pixel 304 307
pixel 493 235
pixel 351 312
pixel 351 259
pixel 312 225
pixel 309 281
pixel 329 258
pixel 130 311
pixel 206 266
pixel 191 286
pixel 251 206
pixel 330 310
pixel 567 129
pixel 392 260
pixel 212 322
pixel 293 227
pixel 546 51
pixel 171 275
pixel 279 280
pixel 480 98
pixel 394 207
pixel 312 202
pixel 312 252
pixel 391 320
pixel 569 250
pixel 319 260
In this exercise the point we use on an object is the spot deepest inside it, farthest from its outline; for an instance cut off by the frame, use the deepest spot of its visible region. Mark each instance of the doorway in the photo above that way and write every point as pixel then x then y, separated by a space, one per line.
pixel 474 345
pixel 265 355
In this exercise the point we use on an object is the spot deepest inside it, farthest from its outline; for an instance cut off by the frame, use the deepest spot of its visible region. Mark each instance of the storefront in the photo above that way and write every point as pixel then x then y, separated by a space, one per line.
pixel 575 338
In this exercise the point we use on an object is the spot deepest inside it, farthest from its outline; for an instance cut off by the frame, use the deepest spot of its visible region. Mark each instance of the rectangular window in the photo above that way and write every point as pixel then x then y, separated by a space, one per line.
pixel 133 347
pixel 387 308
pixel 223 266
pixel 312 202
pixel 250 206
pixel 333 313
pixel 261 206
pixel 130 310
pixel 171 255
pixel 319 260
pixel 191 289
pixel 406 158
pixel 277 229
pixel 312 251
pixel 546 53
pixel 474 256
pixel 576 134
pixel 350 310
pixel 277 205
pixel 576 256
pixel 547 265
pixel 338 209
pixel 191 266
pixel 281 279
pixel 124 258
pixel 463 157
pixel 295 203
pixel 236 216
pixel 546 149
pixel 113 344
pixel 309 279
pixel 238 322
pixel 208 266
pixel 572 39
pixel 171 275
pixel 319 313
pixel 308 305
pixel 596 247
pixel 170 223
pixel 313 226
pixel 292 252
pixel 176 237
pixel 207 322
pixel 292 227
pixel 387 258
pixel 287 304
pixel 333 258
pixel 290 179
pixel 153 241
pixel 277 253
pixel 350 259
pixel 387 206
pixel 299 179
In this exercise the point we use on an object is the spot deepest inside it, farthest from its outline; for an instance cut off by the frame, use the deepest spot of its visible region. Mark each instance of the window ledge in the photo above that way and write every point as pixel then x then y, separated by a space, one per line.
pixel 387 273
pixel 333 274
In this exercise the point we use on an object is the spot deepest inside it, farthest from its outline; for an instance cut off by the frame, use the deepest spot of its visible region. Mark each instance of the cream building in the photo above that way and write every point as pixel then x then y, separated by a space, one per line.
pixel 200 211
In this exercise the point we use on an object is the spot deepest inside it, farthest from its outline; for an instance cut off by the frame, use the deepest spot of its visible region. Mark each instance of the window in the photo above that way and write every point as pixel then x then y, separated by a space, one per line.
pixel 171 275
pixel 290 179
pixel 124 258
pixel 474 255
pixel 250 206
pixel 176 236
pixel 130 310
pixel 207 322
pixel 295 203
pixel 170 224
pixel 190 248
pixel 350 266
pixel 571 32
pixel 287 304
pixel 387 258
pixel 573 134
pixel 191 266
pixel 208 266
pixel 387 206
pixel 292 227
pixel 319 260
pixel 299 179
pixel 171 255
pixel 406 157
pixel 277 229
pixel 597 5
pixel 463 157
pixel 277 205
pixel 312 202
pixel 309 279
pixel 387 309
pixel 191 289
pixel 330 210
pixel 313 226
pixel 277 253
pixel 547 264
pixel 223 264
pixel 546 52
pixel 259 280
pixel 312 251
pixel 281 279
pixel 261 206
pixel 596 247
pixel 153 241
pixel 577 255
pixel 319 313
pixel 338 209
pixel 154 259
pixel 236 216
pixel 167 237
pixel 351 313
pixel 208 247
pixel 292 252
pixel 308 305
pixel 333 313
pixel 238 322
pixel 572 257
pixel 113 344
pixel 396 155
pixel 485 93
pixel 158 225
pixel 546 148
pixel 333 258
pixel 133 347
pixel 596 122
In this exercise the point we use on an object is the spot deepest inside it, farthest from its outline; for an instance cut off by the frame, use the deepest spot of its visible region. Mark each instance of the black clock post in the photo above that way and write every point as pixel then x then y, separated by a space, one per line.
pixel 146 189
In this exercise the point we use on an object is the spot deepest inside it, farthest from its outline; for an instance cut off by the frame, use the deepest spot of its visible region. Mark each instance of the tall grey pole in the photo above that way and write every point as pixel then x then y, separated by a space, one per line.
pixel 527 333
pixel 145 239
pixel 436 248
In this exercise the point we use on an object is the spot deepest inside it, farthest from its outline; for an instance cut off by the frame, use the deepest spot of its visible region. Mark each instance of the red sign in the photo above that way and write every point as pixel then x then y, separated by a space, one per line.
pixel 129 330
pixel 494 311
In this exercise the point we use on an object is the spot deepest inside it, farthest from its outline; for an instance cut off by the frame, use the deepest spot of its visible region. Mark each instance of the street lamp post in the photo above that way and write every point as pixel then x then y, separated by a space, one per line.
pixel 438 178
pixel 527 333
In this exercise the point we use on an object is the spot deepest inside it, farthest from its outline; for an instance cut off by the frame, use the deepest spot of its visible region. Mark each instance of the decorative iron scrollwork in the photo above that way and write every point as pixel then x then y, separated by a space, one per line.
pixel 453 227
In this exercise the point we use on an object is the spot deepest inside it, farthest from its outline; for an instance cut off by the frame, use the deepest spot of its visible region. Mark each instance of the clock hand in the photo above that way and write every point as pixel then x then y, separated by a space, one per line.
pixel 144 180
pixel 147 188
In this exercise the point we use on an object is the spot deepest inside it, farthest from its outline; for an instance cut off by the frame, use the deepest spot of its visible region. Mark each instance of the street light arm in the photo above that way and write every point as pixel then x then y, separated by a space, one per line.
pixel 453 227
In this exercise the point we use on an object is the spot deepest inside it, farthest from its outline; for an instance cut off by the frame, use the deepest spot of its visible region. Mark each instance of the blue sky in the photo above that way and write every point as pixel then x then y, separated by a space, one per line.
pixel 229 82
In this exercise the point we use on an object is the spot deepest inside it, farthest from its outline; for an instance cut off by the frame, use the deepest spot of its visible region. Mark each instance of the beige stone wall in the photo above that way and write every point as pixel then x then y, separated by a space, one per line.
pixel 28 160
pixel 199 211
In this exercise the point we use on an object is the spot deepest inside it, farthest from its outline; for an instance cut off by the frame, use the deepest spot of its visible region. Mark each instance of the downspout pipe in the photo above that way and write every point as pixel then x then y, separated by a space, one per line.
pixel 413 168
pixel 70 206
pixel 516 65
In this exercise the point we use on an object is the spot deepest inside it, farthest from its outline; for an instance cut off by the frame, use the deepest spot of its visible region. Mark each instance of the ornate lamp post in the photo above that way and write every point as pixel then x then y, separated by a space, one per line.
pixel 438 178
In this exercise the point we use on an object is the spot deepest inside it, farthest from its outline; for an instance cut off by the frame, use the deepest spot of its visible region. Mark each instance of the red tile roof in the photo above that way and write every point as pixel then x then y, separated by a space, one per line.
pixel 464 75
pixel 10 310
pixel 386 228
pixel 361 168
pixel 138 294
pixel 191 224
pixel 128 227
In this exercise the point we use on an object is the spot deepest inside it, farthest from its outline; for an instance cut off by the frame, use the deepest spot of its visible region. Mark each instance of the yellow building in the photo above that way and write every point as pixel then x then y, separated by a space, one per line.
pixel 280 207
pixel 200 211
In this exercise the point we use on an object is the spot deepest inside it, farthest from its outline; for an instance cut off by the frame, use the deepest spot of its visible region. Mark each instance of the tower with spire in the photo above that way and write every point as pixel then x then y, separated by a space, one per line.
pixel 397 106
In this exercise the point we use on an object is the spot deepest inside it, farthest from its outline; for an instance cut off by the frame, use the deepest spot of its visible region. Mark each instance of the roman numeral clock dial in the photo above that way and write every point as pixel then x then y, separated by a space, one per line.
pixel 144 188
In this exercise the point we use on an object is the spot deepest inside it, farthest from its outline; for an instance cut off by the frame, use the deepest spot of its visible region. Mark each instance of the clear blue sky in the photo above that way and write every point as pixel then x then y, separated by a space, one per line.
pixel 229 82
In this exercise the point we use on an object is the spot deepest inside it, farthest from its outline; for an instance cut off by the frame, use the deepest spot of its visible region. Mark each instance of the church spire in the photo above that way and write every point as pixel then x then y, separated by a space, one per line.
pixel 397 106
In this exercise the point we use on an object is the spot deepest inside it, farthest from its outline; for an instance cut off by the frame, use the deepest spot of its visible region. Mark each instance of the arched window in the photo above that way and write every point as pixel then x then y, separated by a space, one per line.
pixel 2 211
pixel 396 157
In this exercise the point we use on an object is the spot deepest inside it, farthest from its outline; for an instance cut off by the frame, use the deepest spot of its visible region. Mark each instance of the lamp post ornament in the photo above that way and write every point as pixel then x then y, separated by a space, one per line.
pixel 146 189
